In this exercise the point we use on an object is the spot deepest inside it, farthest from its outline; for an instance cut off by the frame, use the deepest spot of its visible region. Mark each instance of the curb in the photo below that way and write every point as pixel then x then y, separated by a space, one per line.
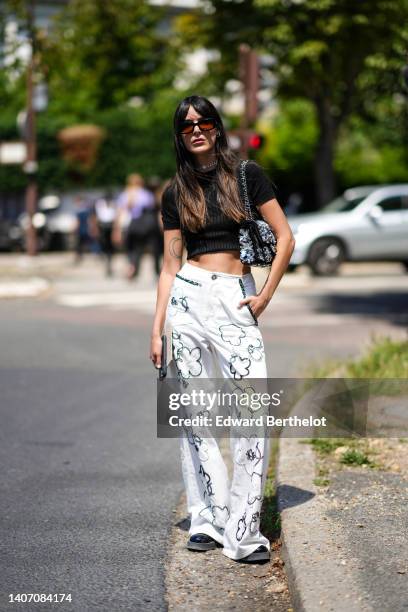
pixel 320 572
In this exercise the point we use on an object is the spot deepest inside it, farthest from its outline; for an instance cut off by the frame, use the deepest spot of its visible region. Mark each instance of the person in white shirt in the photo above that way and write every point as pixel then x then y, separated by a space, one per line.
pixel 137 216
pixel 104 213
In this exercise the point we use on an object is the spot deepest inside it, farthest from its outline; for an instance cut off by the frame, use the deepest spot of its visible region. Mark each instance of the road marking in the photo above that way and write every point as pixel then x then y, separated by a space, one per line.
pixel 84 300
pixel 31 287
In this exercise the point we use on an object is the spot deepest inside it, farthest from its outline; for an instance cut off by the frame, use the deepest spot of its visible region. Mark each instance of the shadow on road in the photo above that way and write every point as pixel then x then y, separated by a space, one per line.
pixel 184 524
pixel 390 306
pixel 289 496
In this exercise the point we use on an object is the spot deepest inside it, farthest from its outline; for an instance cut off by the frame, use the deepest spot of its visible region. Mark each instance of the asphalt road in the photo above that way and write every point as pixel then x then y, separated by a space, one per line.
pixel 87 490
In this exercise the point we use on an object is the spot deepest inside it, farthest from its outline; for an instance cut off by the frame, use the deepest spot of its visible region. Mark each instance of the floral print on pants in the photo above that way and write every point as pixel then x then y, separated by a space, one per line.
pixel 212 338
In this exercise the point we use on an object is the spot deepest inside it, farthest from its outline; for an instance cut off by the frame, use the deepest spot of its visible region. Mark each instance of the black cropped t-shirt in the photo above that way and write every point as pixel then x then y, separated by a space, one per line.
pixel 220 232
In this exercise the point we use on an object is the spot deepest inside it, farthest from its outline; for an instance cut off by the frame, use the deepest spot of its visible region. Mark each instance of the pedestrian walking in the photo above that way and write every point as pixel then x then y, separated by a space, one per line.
pixel 213 309
pixel 155 243
pixel 138 217
pixel 82 228
pixel 103 217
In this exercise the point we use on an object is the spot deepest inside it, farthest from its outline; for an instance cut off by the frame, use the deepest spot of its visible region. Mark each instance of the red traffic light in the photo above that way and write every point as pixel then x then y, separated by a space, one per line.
pixel 255 141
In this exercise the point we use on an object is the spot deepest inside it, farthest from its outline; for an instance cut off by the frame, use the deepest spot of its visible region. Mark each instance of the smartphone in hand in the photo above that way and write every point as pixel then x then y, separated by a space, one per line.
pixel 163 367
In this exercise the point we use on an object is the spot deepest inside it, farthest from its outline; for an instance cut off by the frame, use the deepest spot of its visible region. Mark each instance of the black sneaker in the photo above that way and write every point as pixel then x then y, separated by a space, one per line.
pixel 201 542
pixel 260 555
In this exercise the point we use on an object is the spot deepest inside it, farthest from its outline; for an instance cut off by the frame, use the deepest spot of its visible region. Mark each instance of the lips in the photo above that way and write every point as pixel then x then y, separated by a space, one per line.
pixel 198 140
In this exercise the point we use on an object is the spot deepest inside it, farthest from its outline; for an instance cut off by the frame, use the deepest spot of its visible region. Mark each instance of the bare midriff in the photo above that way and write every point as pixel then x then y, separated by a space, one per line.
pixel 222 261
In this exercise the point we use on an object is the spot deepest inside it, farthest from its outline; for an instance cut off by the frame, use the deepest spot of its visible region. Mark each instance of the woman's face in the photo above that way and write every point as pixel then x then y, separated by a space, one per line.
pixel 198 142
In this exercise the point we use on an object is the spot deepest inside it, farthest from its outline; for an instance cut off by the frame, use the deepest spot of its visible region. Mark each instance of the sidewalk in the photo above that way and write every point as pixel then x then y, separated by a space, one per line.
pixel 345 536
pixel 22 276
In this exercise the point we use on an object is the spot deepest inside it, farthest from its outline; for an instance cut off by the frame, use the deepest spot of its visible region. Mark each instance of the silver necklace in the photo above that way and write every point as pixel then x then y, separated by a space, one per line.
pixel 207 166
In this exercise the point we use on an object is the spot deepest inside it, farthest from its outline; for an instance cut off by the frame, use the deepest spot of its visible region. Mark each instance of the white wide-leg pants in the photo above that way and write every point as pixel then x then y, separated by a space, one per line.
pixel 210 333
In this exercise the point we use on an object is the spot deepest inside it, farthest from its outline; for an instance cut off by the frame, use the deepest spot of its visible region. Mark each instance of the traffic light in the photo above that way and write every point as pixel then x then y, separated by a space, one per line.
pixel 256 141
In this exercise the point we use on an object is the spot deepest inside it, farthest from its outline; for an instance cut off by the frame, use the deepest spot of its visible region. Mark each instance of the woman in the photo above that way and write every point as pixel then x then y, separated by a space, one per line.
pixel 213 311
pixel 137 214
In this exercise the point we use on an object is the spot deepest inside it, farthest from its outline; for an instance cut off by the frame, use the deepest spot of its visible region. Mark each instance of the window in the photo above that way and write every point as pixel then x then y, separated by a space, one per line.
pixel 391 204
pixel 340 204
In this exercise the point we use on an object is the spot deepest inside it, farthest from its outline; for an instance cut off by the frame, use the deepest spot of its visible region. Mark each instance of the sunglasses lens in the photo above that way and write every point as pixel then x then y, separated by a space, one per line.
pixel 206 124
pixel 186 128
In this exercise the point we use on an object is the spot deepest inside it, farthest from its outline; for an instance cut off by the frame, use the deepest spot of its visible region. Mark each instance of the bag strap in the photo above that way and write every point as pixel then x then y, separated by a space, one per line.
pixel 242 175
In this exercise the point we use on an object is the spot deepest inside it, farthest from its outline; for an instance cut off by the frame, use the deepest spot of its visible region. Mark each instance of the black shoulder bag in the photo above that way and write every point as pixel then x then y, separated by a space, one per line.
pixel 257 241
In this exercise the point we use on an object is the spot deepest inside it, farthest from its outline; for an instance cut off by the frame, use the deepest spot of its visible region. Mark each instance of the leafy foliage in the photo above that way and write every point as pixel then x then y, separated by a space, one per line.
pixel 101 54
pixel 337 50
pixel 138 140
pixel 109 63
pixel 335 62
pixel 344 57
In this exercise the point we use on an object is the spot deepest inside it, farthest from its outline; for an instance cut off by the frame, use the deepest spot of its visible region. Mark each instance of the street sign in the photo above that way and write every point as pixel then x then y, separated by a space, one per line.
pixel 13 152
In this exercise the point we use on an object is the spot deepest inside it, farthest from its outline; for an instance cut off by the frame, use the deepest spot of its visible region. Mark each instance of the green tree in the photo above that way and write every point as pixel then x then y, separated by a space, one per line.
pixel 366 152
pixel 222 27
pixel 344 57
pixel 99 55
pixel 12 69
pixel 96 57
pixel 341 55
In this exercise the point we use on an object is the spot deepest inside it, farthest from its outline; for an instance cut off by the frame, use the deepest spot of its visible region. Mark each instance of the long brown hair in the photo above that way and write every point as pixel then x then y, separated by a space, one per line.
pixel 187 190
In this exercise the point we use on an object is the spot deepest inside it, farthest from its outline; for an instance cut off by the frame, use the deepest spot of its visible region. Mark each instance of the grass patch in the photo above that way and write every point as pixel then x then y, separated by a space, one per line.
pixel 353 456
pixel 384 358
pixel 270 517
pixel 325 446
pixel 321 482
pixel 355 453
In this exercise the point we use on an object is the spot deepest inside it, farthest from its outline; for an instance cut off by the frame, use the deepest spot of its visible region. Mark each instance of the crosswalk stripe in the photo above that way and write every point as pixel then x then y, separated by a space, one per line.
pixel 83 300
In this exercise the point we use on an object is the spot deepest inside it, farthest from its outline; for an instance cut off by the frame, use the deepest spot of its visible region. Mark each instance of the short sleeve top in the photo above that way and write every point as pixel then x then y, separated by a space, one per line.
pixel 220 232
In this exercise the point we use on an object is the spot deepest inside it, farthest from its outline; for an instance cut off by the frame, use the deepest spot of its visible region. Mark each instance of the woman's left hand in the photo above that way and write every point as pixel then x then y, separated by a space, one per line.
pixel 258 303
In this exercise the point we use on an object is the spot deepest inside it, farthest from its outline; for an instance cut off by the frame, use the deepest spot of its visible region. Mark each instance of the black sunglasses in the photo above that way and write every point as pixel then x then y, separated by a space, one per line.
pixel 187 127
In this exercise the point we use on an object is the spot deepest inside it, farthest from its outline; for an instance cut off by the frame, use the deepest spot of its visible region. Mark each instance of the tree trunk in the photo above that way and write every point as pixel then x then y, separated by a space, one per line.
pixel 324 154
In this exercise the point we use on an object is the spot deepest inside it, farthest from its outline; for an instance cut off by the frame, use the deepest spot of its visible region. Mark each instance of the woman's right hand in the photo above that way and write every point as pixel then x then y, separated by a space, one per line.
pixel 156 349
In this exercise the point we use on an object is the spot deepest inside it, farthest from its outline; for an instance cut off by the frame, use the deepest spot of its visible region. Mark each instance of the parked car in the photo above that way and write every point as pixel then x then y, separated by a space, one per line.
pixel 365 223
pixel 11 206
pixel 9 235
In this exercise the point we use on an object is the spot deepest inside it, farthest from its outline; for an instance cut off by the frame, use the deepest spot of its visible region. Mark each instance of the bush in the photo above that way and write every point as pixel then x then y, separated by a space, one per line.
pixel 138 140
pixel 384 358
